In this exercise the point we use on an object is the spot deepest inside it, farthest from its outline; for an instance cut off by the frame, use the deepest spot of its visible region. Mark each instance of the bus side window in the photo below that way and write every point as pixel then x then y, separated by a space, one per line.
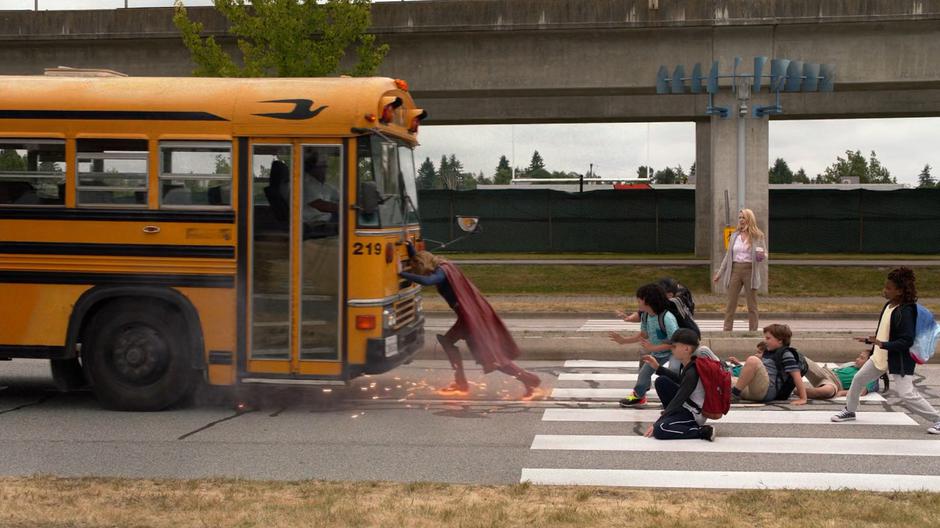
pixel 112 172
pixel 32 172
pixel 195 174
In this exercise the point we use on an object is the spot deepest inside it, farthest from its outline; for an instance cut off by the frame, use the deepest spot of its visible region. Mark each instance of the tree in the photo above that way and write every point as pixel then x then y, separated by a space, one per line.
pixel 483 180
pixel 692 171
pixel 666 176
pixel 780 172
pixel 800 176
pixel 222 165
pixel 10 160
pixel 427 178
pixel 855 165
pixel 644 172
pixel 446 175
pixel 536 164
pixel 503 175
pixel 925 180
pixel 285 38
pixel 877 173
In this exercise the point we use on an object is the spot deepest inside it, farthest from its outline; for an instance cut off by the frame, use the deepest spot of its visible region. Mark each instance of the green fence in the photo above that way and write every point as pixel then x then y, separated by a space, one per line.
pixel 663 221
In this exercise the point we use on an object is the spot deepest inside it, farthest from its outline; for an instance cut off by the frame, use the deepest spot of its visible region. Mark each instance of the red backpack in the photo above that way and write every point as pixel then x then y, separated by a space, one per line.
pixel 717 384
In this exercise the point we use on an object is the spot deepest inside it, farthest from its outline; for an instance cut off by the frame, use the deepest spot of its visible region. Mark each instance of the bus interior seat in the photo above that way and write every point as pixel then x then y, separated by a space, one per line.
pixel 18 192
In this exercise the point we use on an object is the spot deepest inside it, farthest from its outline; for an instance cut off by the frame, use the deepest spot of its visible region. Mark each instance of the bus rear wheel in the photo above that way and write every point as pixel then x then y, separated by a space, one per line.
pixel 137 358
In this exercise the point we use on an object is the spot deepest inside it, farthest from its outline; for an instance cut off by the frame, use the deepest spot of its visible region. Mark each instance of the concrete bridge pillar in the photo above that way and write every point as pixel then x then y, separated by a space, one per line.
pixel 718 197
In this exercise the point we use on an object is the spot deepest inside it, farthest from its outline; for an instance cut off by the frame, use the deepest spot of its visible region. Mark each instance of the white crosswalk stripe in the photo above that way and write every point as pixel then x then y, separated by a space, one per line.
pixel 729 479
pixel 590 363
pixel 736 416
pixel 596 407
pixel 616 394
pixel 746 444
pixel 596 376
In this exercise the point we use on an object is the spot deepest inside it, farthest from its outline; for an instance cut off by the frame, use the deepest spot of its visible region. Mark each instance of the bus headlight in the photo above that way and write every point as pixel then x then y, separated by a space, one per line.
pixel 388 318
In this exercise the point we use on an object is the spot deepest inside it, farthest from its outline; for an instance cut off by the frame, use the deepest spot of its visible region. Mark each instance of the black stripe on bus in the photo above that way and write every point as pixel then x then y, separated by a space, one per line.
pixel 117 250
pixel 126 279
pixel 117 215
pixel 241 292
pixel 122 115
pixel 32 352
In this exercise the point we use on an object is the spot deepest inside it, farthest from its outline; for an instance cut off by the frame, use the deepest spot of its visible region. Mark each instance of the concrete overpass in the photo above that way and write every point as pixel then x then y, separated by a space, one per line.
pixel 551 61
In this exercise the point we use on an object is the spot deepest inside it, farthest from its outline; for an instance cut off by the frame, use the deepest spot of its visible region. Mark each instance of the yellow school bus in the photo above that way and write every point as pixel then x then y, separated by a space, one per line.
pixel 155 232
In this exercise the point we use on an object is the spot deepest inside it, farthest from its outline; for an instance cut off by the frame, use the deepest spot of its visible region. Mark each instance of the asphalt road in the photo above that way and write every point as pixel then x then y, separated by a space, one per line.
pixel 397 427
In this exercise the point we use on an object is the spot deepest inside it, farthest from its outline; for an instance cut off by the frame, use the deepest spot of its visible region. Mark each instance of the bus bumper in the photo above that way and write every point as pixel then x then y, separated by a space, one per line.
pixel 382 355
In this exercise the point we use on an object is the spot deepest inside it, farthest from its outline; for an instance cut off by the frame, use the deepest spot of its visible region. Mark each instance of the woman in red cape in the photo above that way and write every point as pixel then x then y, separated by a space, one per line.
pixel 477 323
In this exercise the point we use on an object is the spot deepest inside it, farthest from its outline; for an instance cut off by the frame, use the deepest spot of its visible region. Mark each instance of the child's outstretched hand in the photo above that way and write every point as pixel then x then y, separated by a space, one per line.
pixel 651 361
pixel 617 338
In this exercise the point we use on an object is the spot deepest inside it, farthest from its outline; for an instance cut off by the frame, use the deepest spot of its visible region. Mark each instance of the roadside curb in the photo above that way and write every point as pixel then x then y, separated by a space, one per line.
pixel 701 316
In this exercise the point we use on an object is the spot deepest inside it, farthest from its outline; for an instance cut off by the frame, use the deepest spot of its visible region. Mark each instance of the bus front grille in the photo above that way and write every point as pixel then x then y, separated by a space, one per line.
pixel 406 312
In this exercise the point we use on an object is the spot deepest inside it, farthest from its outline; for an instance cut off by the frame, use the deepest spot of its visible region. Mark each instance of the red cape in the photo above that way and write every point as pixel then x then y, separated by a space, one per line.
pixel 490 342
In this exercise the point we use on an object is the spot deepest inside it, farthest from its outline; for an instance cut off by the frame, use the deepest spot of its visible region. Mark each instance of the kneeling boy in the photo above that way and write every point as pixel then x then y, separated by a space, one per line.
pixel 682 394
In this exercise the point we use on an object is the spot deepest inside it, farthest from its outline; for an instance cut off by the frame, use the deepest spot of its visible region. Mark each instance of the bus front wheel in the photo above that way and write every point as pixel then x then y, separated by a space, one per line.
pixel 137 358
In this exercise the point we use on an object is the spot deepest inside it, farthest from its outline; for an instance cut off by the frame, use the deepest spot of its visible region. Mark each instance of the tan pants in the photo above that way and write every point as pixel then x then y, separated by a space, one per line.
pixel 741 278
pixel 818 375
pixel 756 390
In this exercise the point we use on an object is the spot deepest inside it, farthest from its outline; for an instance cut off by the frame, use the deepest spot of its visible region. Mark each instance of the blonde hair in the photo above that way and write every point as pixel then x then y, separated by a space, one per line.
pixel 750 226
pixel 424 263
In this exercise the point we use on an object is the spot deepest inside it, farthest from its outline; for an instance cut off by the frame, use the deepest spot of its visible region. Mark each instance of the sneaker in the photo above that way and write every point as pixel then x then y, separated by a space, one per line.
pixel 708 432
pixel 735 398
pixel 632 401
pixel 844 416
pixel 934 429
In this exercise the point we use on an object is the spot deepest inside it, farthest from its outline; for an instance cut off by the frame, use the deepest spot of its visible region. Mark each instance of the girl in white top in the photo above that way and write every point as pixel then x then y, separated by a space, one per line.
pixel 891 350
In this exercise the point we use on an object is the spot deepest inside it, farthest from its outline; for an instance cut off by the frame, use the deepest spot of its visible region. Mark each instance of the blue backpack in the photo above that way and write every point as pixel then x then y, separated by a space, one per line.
pixel 926 333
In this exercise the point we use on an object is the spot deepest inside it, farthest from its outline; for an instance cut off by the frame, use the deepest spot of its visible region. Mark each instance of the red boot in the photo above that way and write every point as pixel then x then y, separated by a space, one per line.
pixel 531 382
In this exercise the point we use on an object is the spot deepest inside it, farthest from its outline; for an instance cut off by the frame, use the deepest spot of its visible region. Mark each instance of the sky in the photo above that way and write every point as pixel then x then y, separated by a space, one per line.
pixel 904 146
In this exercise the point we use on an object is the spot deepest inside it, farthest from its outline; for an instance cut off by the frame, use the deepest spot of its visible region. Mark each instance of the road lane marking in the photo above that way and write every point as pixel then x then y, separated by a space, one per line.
pixel 595 376
pixel 590 363
pixel 734 417
pixel 729 479
pixel 747 444
pixel 616 394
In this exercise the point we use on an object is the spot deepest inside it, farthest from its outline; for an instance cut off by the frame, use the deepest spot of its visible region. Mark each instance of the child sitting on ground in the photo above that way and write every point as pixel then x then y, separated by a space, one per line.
pixel 759 379
pixel 682 394
pixel 824 383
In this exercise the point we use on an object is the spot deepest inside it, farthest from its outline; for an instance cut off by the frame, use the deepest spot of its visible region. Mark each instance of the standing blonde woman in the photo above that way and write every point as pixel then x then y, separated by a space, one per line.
pixel 740 268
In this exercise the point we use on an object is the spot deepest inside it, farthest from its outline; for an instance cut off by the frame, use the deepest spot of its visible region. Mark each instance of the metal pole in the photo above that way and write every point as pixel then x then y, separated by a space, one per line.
pixel 743 95
pixel 742 187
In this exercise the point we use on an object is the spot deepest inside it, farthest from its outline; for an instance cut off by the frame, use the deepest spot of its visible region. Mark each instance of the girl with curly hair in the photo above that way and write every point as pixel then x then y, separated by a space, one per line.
pixel 657 324
pixel 890 351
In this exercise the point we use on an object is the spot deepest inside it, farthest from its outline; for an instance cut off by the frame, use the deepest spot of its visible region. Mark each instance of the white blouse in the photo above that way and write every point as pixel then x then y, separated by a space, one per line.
pixel 741 250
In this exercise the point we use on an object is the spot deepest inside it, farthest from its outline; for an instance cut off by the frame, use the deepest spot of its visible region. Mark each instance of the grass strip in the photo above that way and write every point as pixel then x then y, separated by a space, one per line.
pixel 93 502
pixel 785 281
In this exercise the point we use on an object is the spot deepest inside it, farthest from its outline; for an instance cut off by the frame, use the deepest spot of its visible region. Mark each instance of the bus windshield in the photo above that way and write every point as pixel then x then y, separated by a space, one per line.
pixel 390 164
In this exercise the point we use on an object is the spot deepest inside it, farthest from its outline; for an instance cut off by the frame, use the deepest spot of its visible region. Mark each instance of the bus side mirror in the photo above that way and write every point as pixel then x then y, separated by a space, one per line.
pixel 469 224
pixel 369 197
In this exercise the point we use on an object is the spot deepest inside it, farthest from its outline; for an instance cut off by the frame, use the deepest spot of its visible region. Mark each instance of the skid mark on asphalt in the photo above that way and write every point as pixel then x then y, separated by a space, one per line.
pixel 40 401
pixel 211 424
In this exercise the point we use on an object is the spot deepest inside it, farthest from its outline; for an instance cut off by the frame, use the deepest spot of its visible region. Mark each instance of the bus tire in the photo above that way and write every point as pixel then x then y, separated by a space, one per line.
pixel 136 356
pixel 68 374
